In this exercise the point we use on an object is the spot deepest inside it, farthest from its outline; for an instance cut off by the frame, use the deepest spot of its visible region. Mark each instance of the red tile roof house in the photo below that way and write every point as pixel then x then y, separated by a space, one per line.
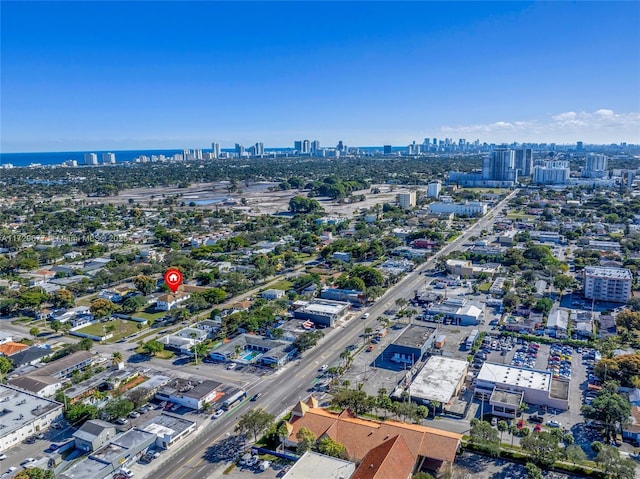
pixel 385 450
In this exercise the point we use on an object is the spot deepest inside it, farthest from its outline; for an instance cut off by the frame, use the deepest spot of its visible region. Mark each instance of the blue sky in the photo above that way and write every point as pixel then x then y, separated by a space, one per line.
pixel 119 75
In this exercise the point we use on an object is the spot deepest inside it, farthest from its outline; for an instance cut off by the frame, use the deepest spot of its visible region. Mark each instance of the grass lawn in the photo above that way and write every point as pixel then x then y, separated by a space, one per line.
pixel 166 354
pixel 86 301
pixel 484 287
pixel 123 328
pixel 520 216
pixel 283 285
pixel 147 315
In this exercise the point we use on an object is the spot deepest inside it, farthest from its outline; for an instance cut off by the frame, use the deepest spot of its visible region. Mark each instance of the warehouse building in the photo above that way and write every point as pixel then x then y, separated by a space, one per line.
pixel 24 414
pixel 412 344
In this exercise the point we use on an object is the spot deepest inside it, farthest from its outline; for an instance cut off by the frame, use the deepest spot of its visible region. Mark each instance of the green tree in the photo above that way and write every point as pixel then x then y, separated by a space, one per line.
pixel 32 298
pixel 35 473
pixel 422 475
pixel 63 298
pixel 6 365
pixel 329 447
pixel 543 447
pixel 35 332
pixel 145 284
pixel 133 304
pixel 502 427
pixel 119 408
pixel 611 461
pixel 485 437
pixel 153 347
pixel 306 439
pixel 609 407
pixel 116 358
pixel 563 282
pixel 533 471
pixel 78 413
pixel 575 454
pixel 55 325
pixel 255 422
pixel 101 308
pixel 307 340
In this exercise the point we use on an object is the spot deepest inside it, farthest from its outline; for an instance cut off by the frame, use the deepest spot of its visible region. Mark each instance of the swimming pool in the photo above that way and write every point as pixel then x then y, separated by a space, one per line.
pixel 250 356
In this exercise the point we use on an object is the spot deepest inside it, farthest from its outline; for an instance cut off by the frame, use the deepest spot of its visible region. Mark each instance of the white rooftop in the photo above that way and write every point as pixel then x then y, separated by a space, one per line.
pixel 609 273
pixel 325 307
pixel 438 379
pixel 313 465
pixel 515 376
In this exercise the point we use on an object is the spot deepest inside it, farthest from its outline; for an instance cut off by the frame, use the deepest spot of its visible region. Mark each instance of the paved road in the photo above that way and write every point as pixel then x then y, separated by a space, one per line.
pixel 283 389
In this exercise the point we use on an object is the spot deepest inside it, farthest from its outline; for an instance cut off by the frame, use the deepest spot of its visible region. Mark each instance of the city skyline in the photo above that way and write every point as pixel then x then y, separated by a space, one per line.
pixel 118 76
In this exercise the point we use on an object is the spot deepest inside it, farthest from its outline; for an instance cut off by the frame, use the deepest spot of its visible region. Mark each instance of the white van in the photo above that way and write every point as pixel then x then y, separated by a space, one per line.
pixel 365 315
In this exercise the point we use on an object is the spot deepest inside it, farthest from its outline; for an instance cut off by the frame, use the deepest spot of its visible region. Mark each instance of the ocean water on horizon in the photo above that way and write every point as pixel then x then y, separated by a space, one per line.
pixel 59 157
pixel 122 156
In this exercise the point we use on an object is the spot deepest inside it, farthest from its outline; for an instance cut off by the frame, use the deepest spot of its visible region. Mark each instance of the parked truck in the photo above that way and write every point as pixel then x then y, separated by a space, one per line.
pixel 440 340
pixel 231 400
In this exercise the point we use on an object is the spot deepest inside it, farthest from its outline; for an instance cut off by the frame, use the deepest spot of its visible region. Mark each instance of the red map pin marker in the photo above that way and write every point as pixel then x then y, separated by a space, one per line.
pixel 173 279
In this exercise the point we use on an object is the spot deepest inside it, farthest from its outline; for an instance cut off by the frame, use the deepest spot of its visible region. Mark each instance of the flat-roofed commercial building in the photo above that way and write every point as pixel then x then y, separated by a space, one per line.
pixel 23 414
pixel 607 284
pixel 439 380
pixel 322 311
pixel 412 344
pixel 537 387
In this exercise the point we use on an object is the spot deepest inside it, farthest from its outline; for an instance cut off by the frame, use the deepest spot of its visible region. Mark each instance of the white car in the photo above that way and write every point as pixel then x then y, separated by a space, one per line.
pixel 218 413
pixel 553 424
pixel 365 315
pixel 27 461
pixel 126 472
pixel 324 367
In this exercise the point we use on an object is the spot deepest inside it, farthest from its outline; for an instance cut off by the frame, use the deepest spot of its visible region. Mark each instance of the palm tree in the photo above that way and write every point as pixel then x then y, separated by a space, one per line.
pixel 502 427
pixel 116 359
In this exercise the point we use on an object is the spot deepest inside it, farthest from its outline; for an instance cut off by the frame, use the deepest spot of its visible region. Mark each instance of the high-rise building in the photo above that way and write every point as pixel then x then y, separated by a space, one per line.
pixel 524 162
pixel 387 149
pixel 215 148
pixel 595 166
pixel 297 145
pixel 407 200
pixel 259 149
pixel 433 190
pixel 240 150
pixel 306 147
pixel 90 159
pixel 197 154
pixel 554 172
pixel 315 147
pixel 340 146
pixel 500 166
pixel 109 158
pixel 607 284
pixel 580 146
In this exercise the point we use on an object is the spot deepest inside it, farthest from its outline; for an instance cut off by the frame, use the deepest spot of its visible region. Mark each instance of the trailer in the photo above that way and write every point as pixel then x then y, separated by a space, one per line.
pixel 440 340
pixel 231 400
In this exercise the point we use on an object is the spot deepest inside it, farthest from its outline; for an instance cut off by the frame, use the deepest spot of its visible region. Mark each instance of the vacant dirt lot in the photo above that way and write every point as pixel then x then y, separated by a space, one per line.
pixel 258 199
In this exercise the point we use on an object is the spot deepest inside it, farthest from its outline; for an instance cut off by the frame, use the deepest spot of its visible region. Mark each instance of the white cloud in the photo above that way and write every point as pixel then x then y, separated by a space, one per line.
pixel 600 126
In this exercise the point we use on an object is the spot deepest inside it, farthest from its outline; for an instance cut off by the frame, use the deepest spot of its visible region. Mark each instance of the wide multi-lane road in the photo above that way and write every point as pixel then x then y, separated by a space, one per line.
pixel 283 389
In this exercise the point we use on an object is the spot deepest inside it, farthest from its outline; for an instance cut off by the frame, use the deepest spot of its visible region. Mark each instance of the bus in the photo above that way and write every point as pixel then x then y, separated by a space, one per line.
pixel 234 398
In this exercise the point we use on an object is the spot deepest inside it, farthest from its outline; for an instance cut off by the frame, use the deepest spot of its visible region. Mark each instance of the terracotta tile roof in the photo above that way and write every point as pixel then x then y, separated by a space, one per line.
pixel 300 408
pixel 12 348
pixel 390 460
pixel 359 436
